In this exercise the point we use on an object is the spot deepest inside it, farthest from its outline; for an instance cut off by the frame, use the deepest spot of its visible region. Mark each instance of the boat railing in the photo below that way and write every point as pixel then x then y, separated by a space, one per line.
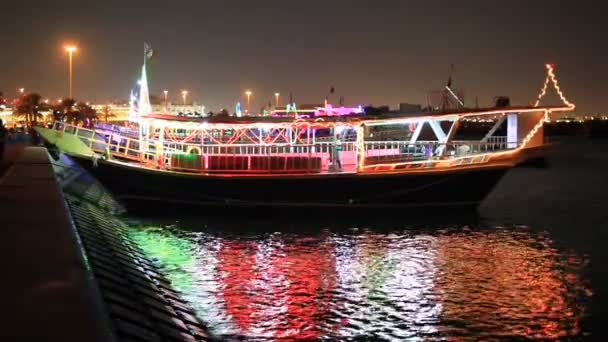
pixel 399 151
pixel 497 139
pixel 101 142
pixel 273 157
pixel 260 149
pixel 286 157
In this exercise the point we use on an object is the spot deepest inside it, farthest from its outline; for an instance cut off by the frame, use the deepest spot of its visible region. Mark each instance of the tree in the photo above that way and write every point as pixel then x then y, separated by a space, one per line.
pixel 107 113
pixel 64 110
pixel 75 113
pixel 84 114
pixel 29 109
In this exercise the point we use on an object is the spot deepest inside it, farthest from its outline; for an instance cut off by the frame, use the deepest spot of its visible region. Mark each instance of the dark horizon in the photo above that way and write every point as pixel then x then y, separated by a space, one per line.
pixel 383 55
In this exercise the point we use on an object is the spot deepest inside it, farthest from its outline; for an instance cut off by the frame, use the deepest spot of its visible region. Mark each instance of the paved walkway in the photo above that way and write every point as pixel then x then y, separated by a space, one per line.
pixel 12 151
pixel 48 291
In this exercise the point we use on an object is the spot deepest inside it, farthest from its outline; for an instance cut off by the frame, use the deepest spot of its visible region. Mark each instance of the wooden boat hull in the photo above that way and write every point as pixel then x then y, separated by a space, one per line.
pixel 130 184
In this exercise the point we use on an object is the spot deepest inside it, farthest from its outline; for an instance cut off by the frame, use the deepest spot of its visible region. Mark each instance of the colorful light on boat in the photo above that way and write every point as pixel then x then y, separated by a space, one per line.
pixel 252 142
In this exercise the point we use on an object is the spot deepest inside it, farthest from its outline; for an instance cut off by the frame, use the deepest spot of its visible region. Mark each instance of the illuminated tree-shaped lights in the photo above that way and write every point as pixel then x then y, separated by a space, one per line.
pixel 550 77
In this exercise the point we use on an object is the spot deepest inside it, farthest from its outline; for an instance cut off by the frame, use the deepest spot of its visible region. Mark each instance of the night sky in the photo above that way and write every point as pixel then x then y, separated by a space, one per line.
pixel 372 52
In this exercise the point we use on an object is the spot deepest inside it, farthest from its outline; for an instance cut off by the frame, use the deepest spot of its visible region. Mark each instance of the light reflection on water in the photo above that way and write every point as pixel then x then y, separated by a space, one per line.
pixel 476 283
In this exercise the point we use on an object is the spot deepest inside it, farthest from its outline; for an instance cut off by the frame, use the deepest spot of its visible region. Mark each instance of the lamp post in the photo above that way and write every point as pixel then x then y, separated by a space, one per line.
pixel 70 49
pixel 184 95
pixel 165 92
pixel 248 93
pixel 276 97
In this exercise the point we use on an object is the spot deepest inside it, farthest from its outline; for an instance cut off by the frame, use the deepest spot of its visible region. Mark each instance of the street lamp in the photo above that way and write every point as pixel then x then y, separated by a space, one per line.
pixel 21 90
pixel 248 93
pixel 276 97
pixel 70 49
pixel 166 103
pixel 184 95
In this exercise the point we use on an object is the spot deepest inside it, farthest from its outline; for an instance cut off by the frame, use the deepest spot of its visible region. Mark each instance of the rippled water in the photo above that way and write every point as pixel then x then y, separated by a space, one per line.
pixel 474 282
pixel 484 278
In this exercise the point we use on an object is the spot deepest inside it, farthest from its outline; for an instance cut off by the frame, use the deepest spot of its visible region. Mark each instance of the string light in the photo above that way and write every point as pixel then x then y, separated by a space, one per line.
pixel 545 118
pixel 551 77
pixel 542 92
pixel 243 128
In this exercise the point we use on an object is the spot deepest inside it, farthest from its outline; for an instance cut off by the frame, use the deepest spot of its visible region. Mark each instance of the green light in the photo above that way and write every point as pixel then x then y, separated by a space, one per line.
pixel 172 254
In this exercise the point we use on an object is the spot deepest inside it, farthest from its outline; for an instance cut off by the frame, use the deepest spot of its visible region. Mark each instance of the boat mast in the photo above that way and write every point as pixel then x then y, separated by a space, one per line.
pixel 450 92
pixel 144 106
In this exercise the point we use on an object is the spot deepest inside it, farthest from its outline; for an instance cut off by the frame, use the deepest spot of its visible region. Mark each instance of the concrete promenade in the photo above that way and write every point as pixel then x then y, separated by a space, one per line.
pixel 50 293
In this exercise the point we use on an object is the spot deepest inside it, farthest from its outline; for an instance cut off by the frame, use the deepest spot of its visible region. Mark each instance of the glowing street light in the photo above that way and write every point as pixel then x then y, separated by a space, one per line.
pixel 248 93
pixel 21 90
pixel 166 103
pixel 184 95
pixel 70 49
pixel 276 97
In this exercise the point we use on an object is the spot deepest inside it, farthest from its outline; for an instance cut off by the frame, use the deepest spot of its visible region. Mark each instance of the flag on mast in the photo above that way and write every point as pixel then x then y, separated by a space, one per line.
pixel 144 106
pixel 148 51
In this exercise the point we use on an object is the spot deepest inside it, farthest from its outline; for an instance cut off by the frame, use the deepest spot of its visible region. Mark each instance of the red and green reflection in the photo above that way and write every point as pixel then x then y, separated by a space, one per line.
pixel 297 276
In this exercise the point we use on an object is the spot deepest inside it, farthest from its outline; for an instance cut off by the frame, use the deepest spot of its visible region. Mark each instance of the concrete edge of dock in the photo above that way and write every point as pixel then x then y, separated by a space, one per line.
pixel 48 283
pixel 72 271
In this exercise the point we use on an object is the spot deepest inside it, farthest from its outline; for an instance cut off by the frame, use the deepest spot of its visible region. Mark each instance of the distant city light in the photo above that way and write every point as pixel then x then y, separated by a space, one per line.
pixel 184 96
pixel 248 93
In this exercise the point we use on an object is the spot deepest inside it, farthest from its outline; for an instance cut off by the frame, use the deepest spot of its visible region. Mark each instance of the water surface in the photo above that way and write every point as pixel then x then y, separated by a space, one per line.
pixel 520 268
pixel 392 284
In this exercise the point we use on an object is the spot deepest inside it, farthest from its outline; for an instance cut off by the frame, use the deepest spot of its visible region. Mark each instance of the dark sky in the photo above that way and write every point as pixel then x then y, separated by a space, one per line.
pixel 380 52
